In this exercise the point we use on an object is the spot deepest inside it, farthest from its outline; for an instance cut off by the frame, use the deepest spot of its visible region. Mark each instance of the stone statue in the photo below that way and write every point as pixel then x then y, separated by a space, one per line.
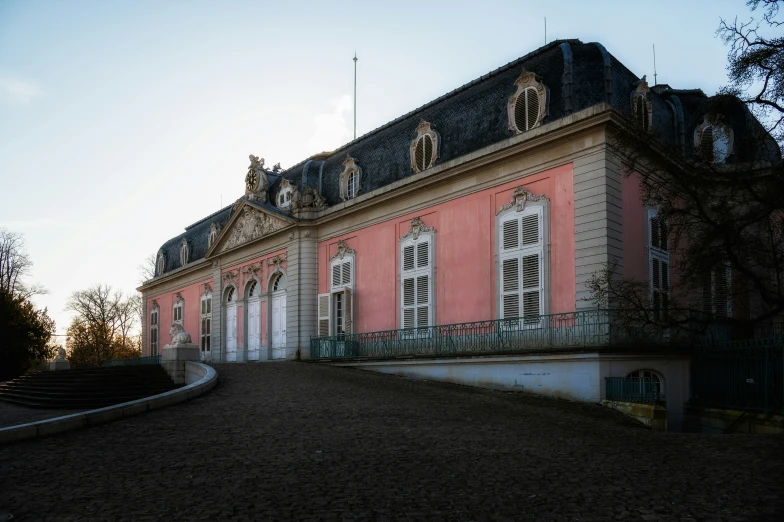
pixel 179 335
pixel 60 354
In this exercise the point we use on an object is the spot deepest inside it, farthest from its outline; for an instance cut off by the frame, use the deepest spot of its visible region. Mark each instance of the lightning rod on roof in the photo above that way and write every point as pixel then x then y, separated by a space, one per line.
pixel 545 30
pixel 355 94
pixel 655 82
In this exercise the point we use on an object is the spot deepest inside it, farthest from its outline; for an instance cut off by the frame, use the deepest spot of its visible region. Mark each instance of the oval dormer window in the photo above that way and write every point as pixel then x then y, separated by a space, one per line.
pixel 527 109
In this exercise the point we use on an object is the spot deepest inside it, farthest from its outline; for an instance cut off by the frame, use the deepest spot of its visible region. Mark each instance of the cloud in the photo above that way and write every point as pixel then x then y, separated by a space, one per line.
pixel 42 223
pixel 332 128
pixel 19 91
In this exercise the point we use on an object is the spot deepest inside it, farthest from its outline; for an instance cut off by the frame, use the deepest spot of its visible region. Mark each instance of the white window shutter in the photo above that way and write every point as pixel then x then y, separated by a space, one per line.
pixel 408 257
pixel 532 285
pixel 423 254
pixel 510 234
pixel 510 288
pixel 346 268
pixel 348 321
pixel 409 302
pixel 423 300
pixel 531 234
pixel 336 274
pixel 323 315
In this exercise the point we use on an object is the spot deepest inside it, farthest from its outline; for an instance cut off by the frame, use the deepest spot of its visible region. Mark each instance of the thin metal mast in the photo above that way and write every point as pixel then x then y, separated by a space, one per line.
pixel 545 30
pixel 355 94
pixel 655 81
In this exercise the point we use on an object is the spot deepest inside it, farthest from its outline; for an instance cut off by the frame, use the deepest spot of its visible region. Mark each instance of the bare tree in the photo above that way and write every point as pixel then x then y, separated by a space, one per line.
pixel 147 269
pixel 15 266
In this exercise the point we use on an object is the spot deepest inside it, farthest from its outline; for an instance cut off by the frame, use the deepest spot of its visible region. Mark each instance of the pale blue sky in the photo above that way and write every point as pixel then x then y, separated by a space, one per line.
pixel 123 122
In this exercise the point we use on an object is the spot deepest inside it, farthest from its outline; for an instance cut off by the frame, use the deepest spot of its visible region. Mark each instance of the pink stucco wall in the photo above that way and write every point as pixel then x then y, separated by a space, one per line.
pixel 191 294
pixel 465 255
pixel 635 231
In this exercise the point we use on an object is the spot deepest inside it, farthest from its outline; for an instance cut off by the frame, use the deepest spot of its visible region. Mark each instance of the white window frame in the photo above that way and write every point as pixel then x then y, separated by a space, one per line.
pixel 342 287
pixel 155 329
pixel 662 255
pixel 178 306
pixel 205 317
pixel 539 206
pixel 351 170
pixel 414 273
pixel 528 80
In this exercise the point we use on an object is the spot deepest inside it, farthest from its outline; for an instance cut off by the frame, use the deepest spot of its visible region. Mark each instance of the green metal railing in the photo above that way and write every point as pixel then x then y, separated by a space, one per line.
pixel 154 359
pixel 643 390
pixel 568 330
pixel 744 375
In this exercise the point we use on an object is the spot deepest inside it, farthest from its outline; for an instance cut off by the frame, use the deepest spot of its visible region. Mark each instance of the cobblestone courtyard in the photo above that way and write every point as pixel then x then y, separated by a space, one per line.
pixel 301 441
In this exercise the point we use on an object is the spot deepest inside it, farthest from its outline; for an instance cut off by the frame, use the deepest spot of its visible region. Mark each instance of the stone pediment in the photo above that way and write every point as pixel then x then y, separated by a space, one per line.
pixel 248 224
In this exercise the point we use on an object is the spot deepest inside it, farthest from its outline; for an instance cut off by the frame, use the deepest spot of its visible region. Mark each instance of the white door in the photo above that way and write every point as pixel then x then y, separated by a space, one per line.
pixel 279 327
pixel 231 333
pixel 254 336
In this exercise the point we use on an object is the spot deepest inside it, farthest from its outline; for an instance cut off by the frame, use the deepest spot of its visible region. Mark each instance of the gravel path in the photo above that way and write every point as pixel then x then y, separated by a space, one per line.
pixel 12 414
pixel 305 441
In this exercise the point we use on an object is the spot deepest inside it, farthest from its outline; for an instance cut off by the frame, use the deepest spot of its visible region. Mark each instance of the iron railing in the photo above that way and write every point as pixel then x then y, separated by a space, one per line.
pixel 744 375
pixel 643 390
pixel 153 359
pixel 565 330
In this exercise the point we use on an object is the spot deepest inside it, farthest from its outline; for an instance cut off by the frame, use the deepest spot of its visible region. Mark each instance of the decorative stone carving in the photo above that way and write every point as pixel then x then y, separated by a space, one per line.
pixel 640 102
pixel 342 250
pixel 349 167
pixel 309 199
pixel 179 335
pixel 253 224
pixel 253 271
pixel 155 304
pixel 525 80
pixel 256 181
pixel 307 233
pixel 185 251
pixel 519 198
pixel 207 289
pixel 277 260
pixel 277 168
pixel 178 298
pixel 424 129
pixel 417 227
pixel 231 277
pixel 60 354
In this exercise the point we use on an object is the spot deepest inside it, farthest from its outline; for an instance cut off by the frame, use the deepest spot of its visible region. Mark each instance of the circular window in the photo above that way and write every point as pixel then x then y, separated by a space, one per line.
pixel 526 111
pixel 423 153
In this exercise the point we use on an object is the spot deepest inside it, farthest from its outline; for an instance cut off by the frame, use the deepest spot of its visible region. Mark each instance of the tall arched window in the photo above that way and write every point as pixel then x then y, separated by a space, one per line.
pixel 178 309
pixel 205 330
pixel 154 329
pixel 336 308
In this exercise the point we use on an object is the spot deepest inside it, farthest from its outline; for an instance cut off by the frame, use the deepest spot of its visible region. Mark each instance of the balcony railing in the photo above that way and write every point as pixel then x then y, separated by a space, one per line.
pixel 154 359
pixel 642 390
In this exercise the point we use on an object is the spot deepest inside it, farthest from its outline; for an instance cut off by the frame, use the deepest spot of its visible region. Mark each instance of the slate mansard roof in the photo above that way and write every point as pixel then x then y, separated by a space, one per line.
pixel 578 75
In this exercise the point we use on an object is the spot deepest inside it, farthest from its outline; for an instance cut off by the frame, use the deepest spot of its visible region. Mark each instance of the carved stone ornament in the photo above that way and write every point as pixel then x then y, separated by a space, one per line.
pixel 231 277
pixel 179 335
pixel 525 80
pixel 277 260
pixel 178 298
pixel 519 198
pixel 207 289
pixel 252 270
pixel 256 181
pixel 642 91
pixel 342 250
pixel 349 166
pixel 155 303
pixel 417 227
pixel 424 129
pixel 252 224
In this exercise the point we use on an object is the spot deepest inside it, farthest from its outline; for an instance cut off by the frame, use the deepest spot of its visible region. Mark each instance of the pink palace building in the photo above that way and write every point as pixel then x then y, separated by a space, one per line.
pixel 468 225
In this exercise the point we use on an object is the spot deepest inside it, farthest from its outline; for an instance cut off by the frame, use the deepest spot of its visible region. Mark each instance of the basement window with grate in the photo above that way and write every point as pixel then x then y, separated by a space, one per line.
pixel 527 107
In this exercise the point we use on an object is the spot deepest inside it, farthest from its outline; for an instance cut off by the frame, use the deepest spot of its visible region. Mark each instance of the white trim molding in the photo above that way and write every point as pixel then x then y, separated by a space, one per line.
pixel 421 159
pixel 350 168
pixel 528 84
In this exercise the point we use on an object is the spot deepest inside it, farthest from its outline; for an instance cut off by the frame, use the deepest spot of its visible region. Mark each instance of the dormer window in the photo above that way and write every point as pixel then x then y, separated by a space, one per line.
pixel 527 107
pixel 160 263
pixel 641 105
pixel 213 235
pixel 350 179
pixel 284 194
pixel 713 140
pixel 424 148
pixel 184 252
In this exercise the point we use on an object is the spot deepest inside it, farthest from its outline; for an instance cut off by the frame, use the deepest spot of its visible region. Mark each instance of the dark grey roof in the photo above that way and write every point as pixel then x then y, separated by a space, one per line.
pixel 578 75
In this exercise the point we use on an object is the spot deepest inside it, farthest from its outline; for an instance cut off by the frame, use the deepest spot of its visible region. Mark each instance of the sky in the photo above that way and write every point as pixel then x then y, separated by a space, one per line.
pixel 123 122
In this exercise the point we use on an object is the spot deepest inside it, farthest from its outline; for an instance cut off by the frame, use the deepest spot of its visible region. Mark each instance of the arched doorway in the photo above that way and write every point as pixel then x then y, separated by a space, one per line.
pixel 278 319
pixel 253 319
pixel 231 324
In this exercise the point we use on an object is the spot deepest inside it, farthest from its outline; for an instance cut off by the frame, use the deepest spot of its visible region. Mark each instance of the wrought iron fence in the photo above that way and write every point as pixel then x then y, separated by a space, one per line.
pixel 644 390
pixel 743 375
pixel 573 329
pixel 154 359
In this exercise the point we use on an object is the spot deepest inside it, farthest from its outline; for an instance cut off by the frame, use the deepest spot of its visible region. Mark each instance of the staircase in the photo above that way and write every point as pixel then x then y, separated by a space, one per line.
pixel 87 388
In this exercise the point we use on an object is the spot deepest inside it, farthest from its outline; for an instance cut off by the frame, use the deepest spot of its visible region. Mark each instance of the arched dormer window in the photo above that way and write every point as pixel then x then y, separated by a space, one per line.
pixel 424 148
pixel 527 107
pixel 350 179
pixel 213 235
pixel 160 263
pixel 642 109
pixel 713 140
pixel 284 194
pixel 185 252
